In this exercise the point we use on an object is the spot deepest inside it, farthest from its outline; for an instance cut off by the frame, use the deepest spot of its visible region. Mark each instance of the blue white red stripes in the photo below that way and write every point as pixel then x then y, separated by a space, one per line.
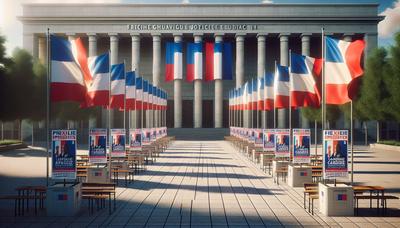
pixel 281 86
pixel 130 90
pixel 218 61
pixel 303 87
pixel 173 67
pixel 117 86
pixel 194 65
pixel 268 91
pixel 342 66
pixel 99 88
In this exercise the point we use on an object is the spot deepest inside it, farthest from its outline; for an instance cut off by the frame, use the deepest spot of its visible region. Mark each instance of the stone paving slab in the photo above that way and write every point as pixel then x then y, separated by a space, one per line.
pixel 203 184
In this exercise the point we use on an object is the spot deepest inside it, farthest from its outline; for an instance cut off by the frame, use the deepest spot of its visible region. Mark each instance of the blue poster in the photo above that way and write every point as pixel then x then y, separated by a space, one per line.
pixel 98 146
pixel 282 143
pixel 118 143
pixel 335 153
pixel 301 145
pixel 135 139
pixel 63 154
pixel 269 140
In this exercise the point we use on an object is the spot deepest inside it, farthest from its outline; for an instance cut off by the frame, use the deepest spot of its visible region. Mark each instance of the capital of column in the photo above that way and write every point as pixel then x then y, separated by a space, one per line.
pixel 305 37
pixel 135 37
pixel 261 37
pixel 239 37
pixel 178 37
pixel 284 37
pixel 197 37
pixel 156 37
pixel 113 37
pixel 92 37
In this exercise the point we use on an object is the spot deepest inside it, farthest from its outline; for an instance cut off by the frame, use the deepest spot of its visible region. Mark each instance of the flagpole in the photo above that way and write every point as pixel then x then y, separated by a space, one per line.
pixel 315 137
pixel 352 142
pixel 290 104
pixel 323 81
pixel 48 107
pixel 125 98
pixel 257 101
pixel 109 116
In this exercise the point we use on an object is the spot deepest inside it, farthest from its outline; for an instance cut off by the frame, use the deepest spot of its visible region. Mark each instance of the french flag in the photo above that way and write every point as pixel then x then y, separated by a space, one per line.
pixel 69 70
pixel 173 67
pixel 218 61
pixel 254 95
pixel 268 91
pixel 249 103
pixel 145 94
pixel 155 98
pixel 342 67
pixel 194 67
pixel 303 87
pixel 260 94
pixel 281 87
pixel 139 93
pixel 117 86
pixel 151 97
pixel 130 90
pixel 98 90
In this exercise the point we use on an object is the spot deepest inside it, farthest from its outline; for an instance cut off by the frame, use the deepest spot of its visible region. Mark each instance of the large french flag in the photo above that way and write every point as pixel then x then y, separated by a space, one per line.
pixel 218 61
pixel 139 93
pixel 303 87
pixel 281 87
pixel 342 66
pixel 98 90
pixel 130 90
pixel 117 86
pixel 268 91
pixel 260 94
pixel 69 70
pixel 150 97
pixel 249 95
pixel 173 67
pixel 194 67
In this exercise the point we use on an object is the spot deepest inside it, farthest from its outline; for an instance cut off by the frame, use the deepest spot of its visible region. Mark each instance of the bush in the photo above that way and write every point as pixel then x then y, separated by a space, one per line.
pixel 9 142
pixel 390 142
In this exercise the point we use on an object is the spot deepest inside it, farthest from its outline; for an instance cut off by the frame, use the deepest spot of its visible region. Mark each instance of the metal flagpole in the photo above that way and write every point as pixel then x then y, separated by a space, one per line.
pixel 315 137
pixel 251 104
pixel 109 116
pixel 124 98
pixel 352 142
pixel 290 104
pixel 141 111
pixel 257 111
pixel 48 107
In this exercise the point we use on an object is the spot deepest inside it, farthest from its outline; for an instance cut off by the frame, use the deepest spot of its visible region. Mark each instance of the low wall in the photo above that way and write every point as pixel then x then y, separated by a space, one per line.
pixel 12 146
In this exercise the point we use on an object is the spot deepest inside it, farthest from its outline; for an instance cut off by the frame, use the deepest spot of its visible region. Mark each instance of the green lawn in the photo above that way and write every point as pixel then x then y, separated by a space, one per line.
pixel 8 142
pixel 390 142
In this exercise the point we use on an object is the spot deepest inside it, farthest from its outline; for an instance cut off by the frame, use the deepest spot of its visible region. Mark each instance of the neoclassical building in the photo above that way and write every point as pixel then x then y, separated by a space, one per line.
pixel 260 33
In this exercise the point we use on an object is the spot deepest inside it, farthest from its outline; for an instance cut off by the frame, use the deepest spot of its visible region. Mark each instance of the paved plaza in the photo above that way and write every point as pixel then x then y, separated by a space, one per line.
pixel 202 184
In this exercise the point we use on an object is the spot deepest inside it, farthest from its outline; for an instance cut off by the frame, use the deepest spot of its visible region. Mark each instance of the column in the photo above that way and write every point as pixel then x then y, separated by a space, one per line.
pixel 113 60
pixel 284 49
pixel 371 40
pixel 305 50
pixel 156 65
pixel 198 106
pixel 92 51
pixel 261 67
pixel 240 71
pixel 218 94
pixel 42 50
pixel 178 93
pixel 30 43
pixel 135 55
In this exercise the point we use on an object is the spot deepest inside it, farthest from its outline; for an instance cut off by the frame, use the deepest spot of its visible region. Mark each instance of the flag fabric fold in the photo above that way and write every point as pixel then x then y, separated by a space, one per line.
pixel 268 91
pixel 218 61
pixel 281 87
pixel 99 88
pixel 173 67
pixel 303 87
pixel 260 94
pixel 117 86
pixel 130 90
pixel 342 67
pixel 194 62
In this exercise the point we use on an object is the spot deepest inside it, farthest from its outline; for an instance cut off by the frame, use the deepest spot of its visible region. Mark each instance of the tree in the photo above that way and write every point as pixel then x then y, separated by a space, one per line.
pixel 392 79
pixel 312 114
pixel 5 63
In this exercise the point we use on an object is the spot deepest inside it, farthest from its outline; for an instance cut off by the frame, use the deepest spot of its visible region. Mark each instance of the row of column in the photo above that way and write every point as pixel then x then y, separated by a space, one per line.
pixel 282 115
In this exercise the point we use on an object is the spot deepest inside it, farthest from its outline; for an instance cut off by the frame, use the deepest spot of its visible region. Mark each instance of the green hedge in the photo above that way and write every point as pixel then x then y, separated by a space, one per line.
pixel 390 142
pixel 8 142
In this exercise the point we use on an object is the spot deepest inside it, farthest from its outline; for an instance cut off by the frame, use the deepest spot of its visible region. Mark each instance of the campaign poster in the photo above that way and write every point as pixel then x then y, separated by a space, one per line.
pixel 98 146
pixel 153 135
pixel 301 145
pixel 282 142
pixel 63 154
pixel 146 135
pixel 135 139
pixel 269 140
pixel 258 142
pixel 335 153
pixel 118 143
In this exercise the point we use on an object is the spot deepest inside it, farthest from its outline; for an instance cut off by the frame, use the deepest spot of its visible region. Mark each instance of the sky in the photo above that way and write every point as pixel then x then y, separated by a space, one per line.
pixel 12 28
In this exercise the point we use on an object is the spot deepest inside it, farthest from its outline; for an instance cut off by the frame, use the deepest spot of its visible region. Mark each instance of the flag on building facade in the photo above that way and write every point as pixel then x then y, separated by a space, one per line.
pixel 218 61
pixel 260 94
pixel 254 94
pixel 139 93
pixel 130 90
pixel 194 62
pixel 303 87
pixel 173 67
pixel 99 88
pixel 342 67
pixel 69 70
pixel 281 87
pixel 117 86
pixel 145 94
pixel 268 91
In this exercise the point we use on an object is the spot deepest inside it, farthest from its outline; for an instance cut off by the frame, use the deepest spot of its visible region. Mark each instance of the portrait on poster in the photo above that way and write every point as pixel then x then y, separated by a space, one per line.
pixel 63 154
pixel 335 153
pixel 135 136
pixel 98 146
pixel 269 140
pixel 118 143
pixel 282 143
pixel 301 145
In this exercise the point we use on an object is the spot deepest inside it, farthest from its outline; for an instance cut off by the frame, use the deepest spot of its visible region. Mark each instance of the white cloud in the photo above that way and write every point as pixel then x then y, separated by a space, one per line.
pixel 12 28
pixel 391 23
pixel 267 1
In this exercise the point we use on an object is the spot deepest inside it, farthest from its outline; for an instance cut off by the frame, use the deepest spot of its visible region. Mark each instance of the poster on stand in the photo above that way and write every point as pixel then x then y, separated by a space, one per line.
pixel 282 142
pixel 335 153
pixel 98 146
pixel 146 137
pixel 258 142
pixel 118 143
pixel 269 140
pixel 135 139
pixel 63 154
pixel 153 135
pixel 301 145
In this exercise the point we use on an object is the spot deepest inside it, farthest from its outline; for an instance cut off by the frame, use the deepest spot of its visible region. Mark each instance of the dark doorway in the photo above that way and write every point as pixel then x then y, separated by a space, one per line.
pixel 208 114
pixel 187 113
pixel 225 114
pixel 170 114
